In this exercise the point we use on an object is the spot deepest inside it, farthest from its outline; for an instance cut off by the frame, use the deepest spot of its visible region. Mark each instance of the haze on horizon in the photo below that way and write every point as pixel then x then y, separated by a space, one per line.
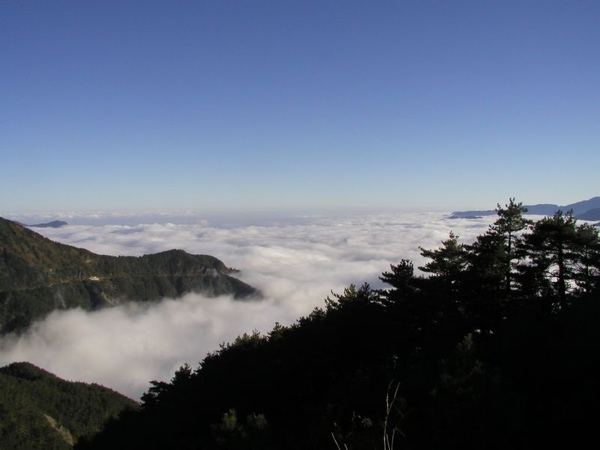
pixel 262 106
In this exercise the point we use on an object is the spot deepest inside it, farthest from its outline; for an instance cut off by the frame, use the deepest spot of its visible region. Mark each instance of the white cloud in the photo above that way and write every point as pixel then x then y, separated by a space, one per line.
pixel 127 346
pixel 296 262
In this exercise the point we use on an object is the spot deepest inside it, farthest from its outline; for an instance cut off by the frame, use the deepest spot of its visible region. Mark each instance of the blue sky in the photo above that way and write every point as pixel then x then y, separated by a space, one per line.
pixel 297 104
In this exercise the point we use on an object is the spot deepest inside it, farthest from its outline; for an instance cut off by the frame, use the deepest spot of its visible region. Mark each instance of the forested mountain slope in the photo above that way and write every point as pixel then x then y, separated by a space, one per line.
pixel 41 411
pixel 38 276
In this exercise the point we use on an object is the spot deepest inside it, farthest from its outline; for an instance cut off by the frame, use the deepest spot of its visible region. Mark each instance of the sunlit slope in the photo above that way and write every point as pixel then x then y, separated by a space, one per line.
pixel 38 276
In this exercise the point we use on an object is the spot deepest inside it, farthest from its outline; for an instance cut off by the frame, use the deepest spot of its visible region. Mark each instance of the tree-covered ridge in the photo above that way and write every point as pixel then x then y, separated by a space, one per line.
pixel 498 346
pixel 38 276
pixel 41 411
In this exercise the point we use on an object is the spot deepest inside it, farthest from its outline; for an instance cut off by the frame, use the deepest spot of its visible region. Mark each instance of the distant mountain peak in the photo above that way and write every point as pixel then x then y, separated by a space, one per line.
pixel 53 224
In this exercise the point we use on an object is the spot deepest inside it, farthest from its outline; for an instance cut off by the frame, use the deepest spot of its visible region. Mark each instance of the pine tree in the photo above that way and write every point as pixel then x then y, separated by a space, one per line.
pixel 587 266
pixel 508 227
pixel 551 247
pixel 447 262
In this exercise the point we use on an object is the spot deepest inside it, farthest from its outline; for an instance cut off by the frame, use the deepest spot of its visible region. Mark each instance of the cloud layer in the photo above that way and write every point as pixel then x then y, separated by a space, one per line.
pixel 296 261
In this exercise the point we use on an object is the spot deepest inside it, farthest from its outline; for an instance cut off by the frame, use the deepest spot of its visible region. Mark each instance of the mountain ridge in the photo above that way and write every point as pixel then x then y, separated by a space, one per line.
pixel 53 224
pixel 38 276
pixel 582 210
pixel 41 410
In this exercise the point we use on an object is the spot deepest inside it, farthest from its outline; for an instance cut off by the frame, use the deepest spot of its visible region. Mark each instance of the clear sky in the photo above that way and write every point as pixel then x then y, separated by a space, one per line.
pixel 293 104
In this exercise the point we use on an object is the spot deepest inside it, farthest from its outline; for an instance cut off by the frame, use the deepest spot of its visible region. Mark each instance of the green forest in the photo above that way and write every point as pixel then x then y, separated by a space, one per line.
pixel 41 411
pixel 38 276
pixel 492 344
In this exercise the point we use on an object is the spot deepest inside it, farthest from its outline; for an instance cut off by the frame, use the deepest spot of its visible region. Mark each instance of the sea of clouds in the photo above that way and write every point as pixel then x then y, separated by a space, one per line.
pixel 295 260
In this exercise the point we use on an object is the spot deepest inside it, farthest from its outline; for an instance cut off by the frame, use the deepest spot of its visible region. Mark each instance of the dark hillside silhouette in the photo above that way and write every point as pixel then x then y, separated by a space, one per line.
pixel 498 347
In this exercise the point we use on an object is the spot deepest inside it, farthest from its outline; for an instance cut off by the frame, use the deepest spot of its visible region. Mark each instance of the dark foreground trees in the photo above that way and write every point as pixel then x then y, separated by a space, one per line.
pixel 498 347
